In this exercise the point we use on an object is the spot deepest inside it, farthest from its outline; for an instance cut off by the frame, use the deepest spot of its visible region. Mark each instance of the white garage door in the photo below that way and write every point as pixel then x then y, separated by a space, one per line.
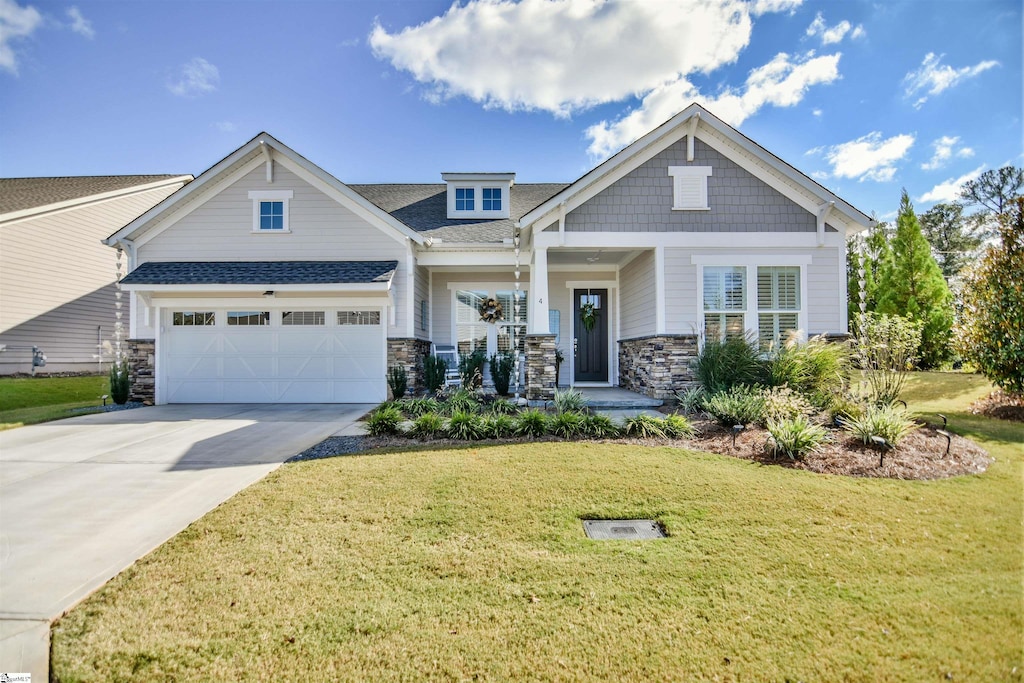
pixel 273 356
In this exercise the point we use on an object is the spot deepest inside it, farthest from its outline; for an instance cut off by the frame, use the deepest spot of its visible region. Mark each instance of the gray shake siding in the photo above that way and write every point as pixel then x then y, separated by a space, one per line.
pixel 642 200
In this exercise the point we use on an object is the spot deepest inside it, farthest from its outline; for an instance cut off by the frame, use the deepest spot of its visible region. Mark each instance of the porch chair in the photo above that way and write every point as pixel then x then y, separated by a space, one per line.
pixel 448 353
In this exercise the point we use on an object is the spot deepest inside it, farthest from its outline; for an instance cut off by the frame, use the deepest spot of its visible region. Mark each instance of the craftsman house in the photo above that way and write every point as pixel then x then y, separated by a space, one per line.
pixel 268 280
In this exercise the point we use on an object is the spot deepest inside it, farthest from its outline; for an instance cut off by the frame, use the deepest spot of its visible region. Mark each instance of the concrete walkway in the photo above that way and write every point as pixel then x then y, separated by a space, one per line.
pixel 82 499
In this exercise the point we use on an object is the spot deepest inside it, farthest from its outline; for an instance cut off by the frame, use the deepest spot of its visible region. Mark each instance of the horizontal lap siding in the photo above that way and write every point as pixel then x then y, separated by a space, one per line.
pixel 422 293
pixel 637 296
pixel 57 277
pixel 823 303
pixel 641 201
pixel 220 229
pixel 681 316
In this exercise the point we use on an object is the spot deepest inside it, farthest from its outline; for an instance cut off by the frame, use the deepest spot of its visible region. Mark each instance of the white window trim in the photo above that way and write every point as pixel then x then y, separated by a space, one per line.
pixel 751 262
pixel 678 174
pixel 478 199
pixel 258 196
pixel 492 290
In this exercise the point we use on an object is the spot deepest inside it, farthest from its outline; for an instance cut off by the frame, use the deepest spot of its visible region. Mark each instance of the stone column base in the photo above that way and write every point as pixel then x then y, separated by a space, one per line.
pixel 409 353
pixel 141 356
pixel 540 367
pixel 659 365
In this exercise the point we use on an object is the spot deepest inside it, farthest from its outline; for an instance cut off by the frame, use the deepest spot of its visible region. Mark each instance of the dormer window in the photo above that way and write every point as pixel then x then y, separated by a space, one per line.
pixel 479 195
pixel 465 199
pixel 492 199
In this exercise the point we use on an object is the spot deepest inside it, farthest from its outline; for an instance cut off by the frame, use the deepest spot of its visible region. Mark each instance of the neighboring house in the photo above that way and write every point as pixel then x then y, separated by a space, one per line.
pixel 56 276
pixel 267 279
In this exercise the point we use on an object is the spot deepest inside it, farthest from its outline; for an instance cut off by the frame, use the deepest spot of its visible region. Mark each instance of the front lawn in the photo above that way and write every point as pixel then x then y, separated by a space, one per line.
pixel 28 400
pixel 470 563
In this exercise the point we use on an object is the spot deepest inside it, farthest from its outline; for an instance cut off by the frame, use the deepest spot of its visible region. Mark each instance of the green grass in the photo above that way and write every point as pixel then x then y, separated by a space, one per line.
pixel 29 400
pixel 472 563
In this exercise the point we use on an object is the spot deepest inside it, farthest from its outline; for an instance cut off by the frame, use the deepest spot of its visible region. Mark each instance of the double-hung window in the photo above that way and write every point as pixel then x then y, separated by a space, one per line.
pixel 725 301
pixel 778 303
pixel 472 333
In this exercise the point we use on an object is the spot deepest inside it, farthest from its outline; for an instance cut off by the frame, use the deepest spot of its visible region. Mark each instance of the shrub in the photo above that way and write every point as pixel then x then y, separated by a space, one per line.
pixel 502 365
pixel 569 401
pixel 532 422
pixel 676 426
pixel 385 420
pixel 691 400
pixel 471 368
pixel 461 401
pixel 120 382
pixel 498 426
pixel 886 347
pixel 842 406
pixel 782 403
pixel 435 370
pixel 503 406
pixel 644 427
pixel 398 381
pixel 991 334
pixel 414 407
pixel 567 425
pixel 892 423
pixel 794 437
pixel 600 427
pixel 465 426
pixel 721 365
pixel 740 405
pixel 428 426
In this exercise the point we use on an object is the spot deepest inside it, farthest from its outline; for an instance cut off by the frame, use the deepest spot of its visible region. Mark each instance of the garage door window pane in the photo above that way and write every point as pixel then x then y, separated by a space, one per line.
pixel 302 318
pixel 359 317
pixel 192 318
pixel 248 317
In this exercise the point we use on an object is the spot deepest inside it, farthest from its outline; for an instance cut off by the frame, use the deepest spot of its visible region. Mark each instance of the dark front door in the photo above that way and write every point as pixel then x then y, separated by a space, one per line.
pixel 591 362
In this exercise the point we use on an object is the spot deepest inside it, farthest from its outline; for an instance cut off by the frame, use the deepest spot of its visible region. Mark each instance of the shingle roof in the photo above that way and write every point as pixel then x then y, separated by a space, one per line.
pixel 261 272
pixel 19 194
pixel 424 208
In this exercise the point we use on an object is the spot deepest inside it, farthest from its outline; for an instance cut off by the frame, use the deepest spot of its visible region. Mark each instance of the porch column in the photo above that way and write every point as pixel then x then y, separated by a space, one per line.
pixel 538 309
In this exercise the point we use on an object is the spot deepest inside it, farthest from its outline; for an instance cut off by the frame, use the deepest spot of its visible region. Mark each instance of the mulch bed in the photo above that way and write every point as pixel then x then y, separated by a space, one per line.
pixel 921 455
pixel 1000 405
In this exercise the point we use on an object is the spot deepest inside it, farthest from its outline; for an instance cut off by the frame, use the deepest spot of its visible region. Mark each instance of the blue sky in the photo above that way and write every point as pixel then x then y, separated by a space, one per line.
pixel 867 97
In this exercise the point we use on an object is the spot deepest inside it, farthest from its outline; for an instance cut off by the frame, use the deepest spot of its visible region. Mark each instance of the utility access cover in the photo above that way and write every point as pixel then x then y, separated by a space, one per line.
pixel 623 529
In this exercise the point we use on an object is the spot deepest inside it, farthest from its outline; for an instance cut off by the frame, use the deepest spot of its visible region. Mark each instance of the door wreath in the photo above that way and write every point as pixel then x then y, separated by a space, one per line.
pixel 588 316
pixel 491 311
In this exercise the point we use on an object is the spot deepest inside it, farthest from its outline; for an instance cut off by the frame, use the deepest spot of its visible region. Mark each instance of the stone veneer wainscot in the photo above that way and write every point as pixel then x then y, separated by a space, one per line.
pixel 409 353
pixel 657 365
pixel 540 367
pixel 141 356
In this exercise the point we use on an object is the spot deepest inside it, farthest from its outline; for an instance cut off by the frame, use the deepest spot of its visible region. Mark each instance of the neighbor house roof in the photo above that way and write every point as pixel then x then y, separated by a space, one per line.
pixel 21 194
pixel 424 208
pixel 261 272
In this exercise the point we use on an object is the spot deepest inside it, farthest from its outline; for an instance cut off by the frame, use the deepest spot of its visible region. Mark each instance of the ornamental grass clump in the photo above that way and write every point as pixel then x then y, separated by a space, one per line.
pixel 567 425
pixel 428 426
pixel 461 401
pixel 385 420
pixel 503 406
pixel 569 401
pixel 794 437
pixel 782 403
pixel 677 426
pixel 599 426
pixel 890 422
pixel 465 426
pixel 691 400
pixel 721 365
pixel 812 368
pixel 415 407
pixel 740 405
pixel 498 426
pixel 531 422
pixel 644 427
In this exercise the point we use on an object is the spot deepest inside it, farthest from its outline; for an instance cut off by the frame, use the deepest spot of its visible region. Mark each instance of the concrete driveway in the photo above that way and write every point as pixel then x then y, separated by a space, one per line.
pixel 82 499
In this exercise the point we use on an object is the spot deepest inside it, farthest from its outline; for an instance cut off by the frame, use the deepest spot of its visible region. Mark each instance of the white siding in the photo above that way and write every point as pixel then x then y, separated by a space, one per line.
pixel 220 229
pixel 681 315
pixel 57 280
pixel 637 296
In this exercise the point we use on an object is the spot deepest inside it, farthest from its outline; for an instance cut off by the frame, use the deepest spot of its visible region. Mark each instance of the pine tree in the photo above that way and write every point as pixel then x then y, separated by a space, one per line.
pixel 911 285
pixel 951 236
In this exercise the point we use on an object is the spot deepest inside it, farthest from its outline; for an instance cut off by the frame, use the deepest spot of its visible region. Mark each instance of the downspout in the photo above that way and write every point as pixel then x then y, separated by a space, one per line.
pixel 823 212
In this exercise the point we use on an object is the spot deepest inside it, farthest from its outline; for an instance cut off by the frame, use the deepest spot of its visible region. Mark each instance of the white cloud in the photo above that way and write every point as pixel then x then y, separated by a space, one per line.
pixel 933 77
pixel 759 7
pixel 225 126
pixel 944 152
pixel 80 24
pixel 781 82
pixel 16 22
pixel 817 113
pixel 949 190
pixel 197 76
pixel 831 35
pixel 868 157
